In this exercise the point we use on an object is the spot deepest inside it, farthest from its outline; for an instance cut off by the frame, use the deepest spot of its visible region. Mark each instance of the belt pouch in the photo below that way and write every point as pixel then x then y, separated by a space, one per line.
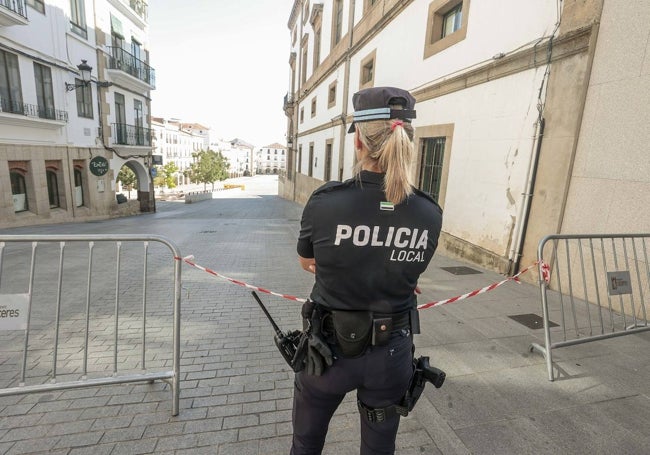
pixel 381 331
pixel 353 331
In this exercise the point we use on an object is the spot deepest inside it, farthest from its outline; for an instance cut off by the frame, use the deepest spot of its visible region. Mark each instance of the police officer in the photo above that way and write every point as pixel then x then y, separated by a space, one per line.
pixel 367 240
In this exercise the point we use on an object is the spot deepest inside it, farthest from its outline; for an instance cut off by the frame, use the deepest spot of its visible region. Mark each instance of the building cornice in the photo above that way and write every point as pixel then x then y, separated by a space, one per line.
pixel 293 17
pixel 572 43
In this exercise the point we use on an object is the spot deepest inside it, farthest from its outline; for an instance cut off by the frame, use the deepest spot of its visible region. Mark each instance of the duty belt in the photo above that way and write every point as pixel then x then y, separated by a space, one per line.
pixel 400 321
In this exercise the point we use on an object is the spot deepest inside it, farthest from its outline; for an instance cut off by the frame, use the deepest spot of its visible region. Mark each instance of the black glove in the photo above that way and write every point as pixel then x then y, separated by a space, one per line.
pixel 319 355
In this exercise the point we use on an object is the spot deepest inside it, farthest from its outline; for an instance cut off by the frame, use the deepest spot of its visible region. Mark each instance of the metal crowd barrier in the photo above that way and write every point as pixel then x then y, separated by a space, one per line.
pixel 597 289
pixel 88 310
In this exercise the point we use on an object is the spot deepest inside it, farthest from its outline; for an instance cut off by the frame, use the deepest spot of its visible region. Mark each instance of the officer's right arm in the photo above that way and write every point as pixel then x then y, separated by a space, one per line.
pixel 308 264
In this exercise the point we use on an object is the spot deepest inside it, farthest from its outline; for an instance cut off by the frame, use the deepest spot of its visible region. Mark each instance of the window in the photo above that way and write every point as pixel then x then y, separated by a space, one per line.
pixel 328 161
pixel 331 95
pixel 44 91
pixel 434 149
pixel 299 164
pixel 52 188
pixel 317 34
pixel 446 25
pixel 313 107
pixel 452 21
pixel 139 122
pixel 311 159
pixel 117 35
pixel 78 18
pixel 337 22
pixel 367 77
pixel 18 191
pixel 38 5
pixel 11 98
pixel 303 63
pixel 136 51
pixel 120 119
pixel 84 99
pixel 433 153
pixel 302 114
pixel 78 188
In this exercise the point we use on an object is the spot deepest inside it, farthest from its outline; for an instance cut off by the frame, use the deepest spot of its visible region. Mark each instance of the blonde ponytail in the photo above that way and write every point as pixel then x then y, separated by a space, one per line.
pixel 390 146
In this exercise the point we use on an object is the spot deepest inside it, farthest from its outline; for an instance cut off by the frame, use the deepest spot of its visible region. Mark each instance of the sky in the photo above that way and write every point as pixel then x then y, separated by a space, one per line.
pixel 223 64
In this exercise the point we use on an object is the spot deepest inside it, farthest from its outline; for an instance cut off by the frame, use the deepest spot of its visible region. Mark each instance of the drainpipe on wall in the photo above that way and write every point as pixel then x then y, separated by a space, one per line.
pixel 346 89
pixel 530 188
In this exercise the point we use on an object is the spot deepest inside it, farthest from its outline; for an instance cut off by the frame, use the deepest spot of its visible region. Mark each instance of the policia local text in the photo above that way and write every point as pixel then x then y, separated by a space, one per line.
pixel 401 237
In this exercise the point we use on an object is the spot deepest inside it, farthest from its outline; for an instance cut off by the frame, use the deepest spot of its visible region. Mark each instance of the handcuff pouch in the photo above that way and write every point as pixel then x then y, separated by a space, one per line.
pixel 353 330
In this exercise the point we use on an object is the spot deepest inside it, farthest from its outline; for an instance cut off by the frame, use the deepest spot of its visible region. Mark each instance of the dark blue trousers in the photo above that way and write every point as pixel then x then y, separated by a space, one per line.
pixel 380 376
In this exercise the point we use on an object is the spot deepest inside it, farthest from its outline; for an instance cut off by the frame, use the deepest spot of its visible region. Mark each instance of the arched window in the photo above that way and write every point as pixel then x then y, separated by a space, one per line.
pixel 78 187
pixel 52 188
pixel 19 191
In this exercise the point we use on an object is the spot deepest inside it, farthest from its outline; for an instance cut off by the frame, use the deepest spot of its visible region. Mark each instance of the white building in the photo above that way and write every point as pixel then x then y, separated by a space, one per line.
pixel 239 155
pixel 529 114
pixel 64 139
pixel 271 159
pixel 177 144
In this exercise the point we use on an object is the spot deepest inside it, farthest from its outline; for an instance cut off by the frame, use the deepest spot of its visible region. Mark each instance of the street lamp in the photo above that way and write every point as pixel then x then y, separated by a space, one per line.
pixel 85 70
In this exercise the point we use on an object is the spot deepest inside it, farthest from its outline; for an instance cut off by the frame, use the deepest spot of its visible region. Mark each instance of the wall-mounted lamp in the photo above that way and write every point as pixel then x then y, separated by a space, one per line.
pixel 85 69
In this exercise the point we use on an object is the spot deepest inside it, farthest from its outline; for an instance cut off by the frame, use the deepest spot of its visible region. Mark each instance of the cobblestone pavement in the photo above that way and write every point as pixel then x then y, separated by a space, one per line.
pixel 236 391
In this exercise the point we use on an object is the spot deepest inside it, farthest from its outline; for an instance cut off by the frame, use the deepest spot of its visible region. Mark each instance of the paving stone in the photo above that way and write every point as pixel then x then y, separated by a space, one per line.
pixel 34 445
pixel 240 448
pixel 240 421
pixel 79 439
pixel 123 434
pixel 136 447
pixel 97 449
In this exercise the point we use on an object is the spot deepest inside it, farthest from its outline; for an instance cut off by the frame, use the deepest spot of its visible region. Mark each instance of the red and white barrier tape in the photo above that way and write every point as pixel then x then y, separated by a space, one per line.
pixel 478 291
pixel 545 274
pixel 188 260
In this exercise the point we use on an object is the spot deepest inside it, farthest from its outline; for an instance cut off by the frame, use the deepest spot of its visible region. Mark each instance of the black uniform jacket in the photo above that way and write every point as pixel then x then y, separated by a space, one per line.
pixel 369 253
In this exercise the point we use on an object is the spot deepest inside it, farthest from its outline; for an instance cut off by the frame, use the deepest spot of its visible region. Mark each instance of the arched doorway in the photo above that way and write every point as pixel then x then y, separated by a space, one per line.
pixel 133 182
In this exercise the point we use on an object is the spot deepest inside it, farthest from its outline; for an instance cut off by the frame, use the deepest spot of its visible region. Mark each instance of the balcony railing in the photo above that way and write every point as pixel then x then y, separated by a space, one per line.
pixel 17 6
pixel 31 110
pixel 288 101
pixel 124 61
pixel 140 8
pixel 131 135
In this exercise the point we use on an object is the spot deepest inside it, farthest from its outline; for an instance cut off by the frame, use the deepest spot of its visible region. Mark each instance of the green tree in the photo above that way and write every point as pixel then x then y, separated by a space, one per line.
pixel 159 179
pixel 168 172
pixel 128 178
pixel 208 167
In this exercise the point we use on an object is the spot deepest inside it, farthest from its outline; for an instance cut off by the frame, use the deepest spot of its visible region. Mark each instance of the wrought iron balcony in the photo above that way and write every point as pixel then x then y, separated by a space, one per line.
pixel 140 7
pixel 288 105
pixel 13 12
pixel 31 110
pixel 124 61
pixel 124 134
